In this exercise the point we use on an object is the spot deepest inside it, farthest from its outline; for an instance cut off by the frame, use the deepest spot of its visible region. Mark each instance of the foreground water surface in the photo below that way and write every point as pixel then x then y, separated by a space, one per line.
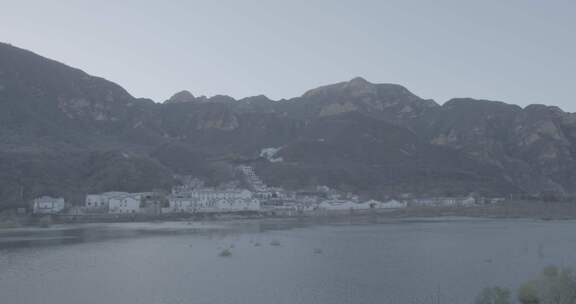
pixel 399 261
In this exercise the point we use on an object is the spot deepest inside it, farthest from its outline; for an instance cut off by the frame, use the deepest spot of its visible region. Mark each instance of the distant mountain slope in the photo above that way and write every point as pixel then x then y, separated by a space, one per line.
pixel 59 124
pixel 64 132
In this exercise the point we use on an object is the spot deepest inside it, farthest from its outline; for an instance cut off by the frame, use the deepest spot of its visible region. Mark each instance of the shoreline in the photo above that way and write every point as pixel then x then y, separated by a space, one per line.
pixel 512 210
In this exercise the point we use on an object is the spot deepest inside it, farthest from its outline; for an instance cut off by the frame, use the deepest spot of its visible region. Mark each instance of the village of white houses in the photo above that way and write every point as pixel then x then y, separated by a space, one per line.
pixel 247 195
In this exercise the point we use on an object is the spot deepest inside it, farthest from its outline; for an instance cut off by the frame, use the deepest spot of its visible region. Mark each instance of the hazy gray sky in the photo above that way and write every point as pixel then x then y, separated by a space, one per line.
pixel 519 51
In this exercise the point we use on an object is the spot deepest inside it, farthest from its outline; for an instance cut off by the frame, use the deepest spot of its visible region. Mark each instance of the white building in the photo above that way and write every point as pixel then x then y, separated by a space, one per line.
pixel 212 200
pixel 127 204
pixel 393 204
pixel 101 202
pixel 48 205
pixel 294 205
pixel 231 205
pixel 343 205
pixel 115 202
pixel 444 201
pixel 180 204
pixel 211 194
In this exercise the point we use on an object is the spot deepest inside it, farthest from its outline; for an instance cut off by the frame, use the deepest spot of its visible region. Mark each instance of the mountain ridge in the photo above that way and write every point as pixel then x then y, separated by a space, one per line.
pixel 64 132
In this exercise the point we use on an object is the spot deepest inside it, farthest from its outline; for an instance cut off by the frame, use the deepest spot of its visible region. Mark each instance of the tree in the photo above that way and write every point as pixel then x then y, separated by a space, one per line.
pixel 552 286
pixel 527 294
pixel 493 295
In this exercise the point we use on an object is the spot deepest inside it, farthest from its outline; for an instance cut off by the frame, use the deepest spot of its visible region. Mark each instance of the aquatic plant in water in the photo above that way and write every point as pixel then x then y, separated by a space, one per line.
pixel 225 253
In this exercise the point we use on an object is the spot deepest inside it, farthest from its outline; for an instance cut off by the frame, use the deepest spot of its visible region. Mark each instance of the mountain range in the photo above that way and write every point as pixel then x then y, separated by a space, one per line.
pixel 66 133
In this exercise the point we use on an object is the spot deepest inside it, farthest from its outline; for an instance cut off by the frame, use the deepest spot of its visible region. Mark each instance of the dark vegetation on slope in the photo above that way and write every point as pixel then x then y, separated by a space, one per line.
pixel 64 132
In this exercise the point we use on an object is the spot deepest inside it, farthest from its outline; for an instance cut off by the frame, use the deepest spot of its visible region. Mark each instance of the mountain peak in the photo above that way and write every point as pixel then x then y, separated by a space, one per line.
pixel 359 86
pixel 60 91
pixel 180 97
pixel 358 94
pixel 359 81
pixel 354 85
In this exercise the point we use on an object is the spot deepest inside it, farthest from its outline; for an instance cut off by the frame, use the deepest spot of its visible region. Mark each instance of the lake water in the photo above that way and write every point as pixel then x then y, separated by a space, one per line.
pixel 398 261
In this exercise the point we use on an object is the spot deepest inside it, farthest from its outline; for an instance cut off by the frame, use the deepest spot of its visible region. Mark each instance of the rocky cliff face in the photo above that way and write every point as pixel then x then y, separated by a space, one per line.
pixel 533 146
pixel 388 101
pixel 180 97
pixel 72 93
pixel 64 132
